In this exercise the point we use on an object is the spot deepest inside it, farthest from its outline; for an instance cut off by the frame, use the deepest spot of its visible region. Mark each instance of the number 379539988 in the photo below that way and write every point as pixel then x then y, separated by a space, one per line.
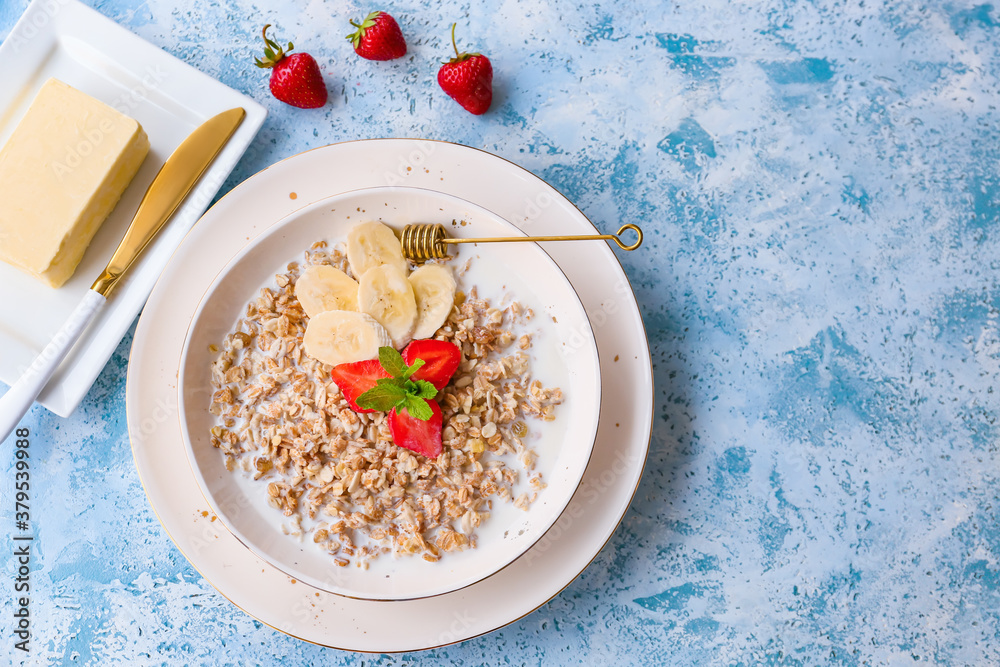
pixel 22 476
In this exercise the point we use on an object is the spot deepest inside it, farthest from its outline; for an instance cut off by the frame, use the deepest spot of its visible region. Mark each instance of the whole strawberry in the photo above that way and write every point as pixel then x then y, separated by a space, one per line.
pixel 295 79
pixel 468 79
pixel 378 37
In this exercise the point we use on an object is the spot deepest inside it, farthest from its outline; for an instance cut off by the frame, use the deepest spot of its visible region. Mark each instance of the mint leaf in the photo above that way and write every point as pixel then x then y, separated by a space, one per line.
pixel 399 391
pixel 410 370
pixel 421 389
pixel 418 408
pixel 392 362
pixel 384 396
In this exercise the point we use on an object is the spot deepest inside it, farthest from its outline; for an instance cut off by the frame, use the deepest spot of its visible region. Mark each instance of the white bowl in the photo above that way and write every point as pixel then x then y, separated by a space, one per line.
pixel 563 354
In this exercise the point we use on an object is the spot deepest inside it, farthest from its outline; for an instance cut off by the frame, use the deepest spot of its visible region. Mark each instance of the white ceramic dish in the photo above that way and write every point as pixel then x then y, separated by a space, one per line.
pixel 521 272
pixel 360 625
pixel 76 44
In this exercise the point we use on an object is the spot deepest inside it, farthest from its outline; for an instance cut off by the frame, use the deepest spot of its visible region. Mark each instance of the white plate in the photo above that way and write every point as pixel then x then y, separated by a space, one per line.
pixel 501 273
pixel 527 583
pixel 71 42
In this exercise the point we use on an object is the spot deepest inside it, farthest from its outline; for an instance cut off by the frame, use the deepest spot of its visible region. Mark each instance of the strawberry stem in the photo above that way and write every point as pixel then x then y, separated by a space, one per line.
pixel 459 57
pixel 366 23
pixel 273 52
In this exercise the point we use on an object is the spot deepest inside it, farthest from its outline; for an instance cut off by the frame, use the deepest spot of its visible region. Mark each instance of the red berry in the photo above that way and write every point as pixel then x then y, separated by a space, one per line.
pixel 441 360
pixel 357 377
pixel 295 79
pixel 378 37
pixel 422 437
pixel 468 79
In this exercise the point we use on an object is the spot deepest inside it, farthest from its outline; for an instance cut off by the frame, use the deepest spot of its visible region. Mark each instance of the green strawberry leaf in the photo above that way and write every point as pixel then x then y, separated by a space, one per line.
pixel 418 408
pixel 366 23
pixel 384 396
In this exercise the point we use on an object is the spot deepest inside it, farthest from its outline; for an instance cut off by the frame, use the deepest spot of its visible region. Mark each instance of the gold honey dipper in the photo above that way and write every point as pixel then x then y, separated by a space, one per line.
pixel 426 241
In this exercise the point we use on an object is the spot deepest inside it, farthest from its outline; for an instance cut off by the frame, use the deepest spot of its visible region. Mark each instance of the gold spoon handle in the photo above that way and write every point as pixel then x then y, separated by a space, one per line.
pixel 592 237
pixel 425 241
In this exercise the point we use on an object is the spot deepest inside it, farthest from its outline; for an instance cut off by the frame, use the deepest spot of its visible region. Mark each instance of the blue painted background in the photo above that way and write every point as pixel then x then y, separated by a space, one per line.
pixel 820 187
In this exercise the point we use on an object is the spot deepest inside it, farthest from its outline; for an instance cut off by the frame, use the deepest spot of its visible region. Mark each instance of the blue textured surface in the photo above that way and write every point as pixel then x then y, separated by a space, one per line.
pixel 820 186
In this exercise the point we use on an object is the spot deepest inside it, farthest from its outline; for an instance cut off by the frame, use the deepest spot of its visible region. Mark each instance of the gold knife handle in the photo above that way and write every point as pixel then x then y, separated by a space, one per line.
pixel 172 184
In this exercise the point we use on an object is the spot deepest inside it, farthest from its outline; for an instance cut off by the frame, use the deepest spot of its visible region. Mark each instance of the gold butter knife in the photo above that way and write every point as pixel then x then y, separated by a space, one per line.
pixel 172 184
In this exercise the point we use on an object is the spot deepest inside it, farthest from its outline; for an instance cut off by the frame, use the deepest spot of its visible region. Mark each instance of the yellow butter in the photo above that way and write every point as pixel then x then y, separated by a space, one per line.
pixel 61 173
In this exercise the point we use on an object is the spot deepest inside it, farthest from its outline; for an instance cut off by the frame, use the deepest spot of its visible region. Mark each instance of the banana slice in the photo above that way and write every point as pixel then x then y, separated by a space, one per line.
pixel 322 287
pixel 434 289
pixel 340 336
pixel 372 244
pixel 386 294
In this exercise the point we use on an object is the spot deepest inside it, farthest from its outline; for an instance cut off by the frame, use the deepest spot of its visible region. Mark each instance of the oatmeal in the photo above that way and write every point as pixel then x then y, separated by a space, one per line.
pixel 335 473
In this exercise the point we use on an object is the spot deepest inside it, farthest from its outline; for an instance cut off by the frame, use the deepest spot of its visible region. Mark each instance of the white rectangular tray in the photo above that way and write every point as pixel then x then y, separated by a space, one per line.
pixel 71 42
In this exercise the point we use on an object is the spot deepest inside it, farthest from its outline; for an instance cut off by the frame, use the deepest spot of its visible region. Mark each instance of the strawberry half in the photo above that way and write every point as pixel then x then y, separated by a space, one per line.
pixel 441 360
pixel 468 79
pixel 295 79
pixel 378 37
pixel 357 377
pixel 422 437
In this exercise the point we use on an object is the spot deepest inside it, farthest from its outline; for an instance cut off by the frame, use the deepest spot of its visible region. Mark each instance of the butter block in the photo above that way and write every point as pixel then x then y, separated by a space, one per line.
pixel 61 173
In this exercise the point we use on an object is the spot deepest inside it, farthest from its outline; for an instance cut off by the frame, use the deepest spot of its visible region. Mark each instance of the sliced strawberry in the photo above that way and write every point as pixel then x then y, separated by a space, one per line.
pixel 422 437
pixel 441 360
pixel 357 377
